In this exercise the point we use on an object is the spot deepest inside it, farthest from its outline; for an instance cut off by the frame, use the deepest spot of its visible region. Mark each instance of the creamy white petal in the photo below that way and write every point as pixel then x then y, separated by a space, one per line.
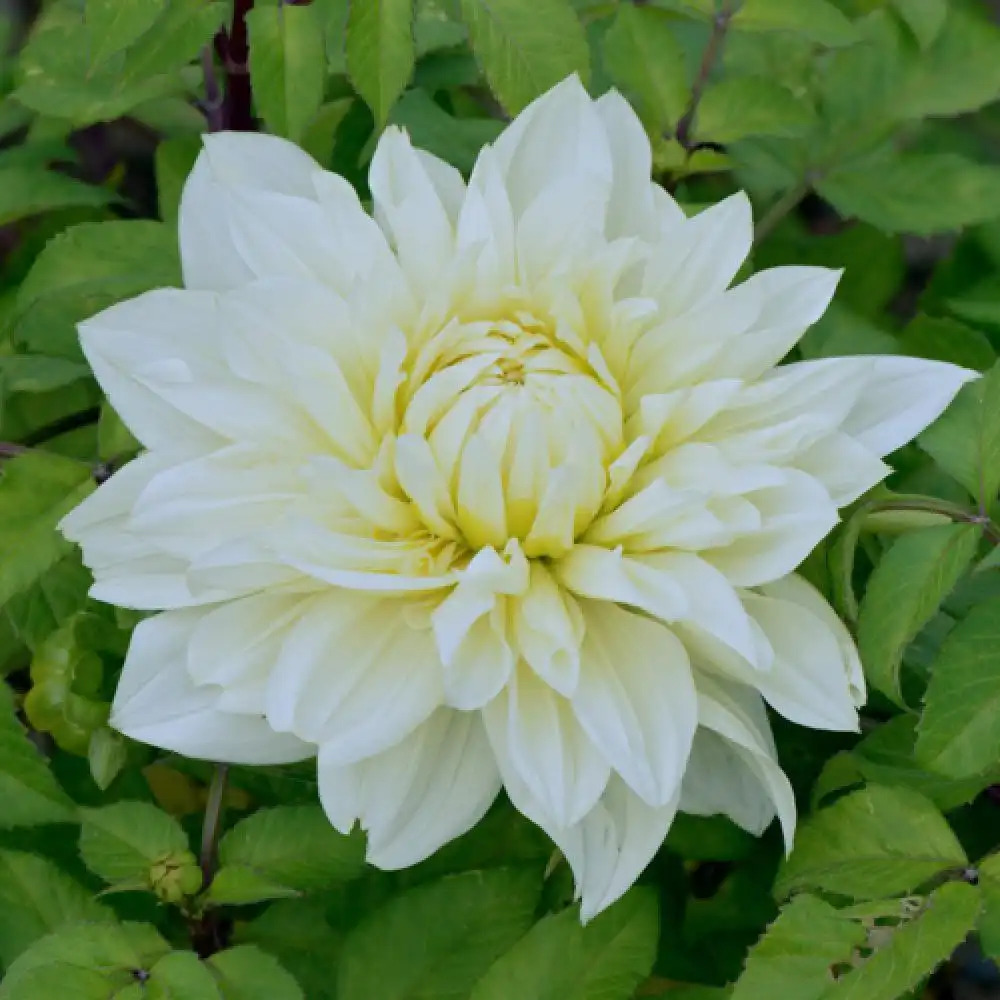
pixel 158 703
pixel 636 699
pixel 414 797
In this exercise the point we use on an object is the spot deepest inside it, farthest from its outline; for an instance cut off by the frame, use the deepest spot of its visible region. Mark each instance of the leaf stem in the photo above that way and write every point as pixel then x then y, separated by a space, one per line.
pixel 776 214
pixel 720 26
pixel 213 822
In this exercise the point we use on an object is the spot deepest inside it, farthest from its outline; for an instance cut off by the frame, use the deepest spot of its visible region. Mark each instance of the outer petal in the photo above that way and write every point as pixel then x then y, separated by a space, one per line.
pixel 158 703
pixel 355 674
pixel 636 699
pixel 901 397
pixel 416 796
pixel 733 768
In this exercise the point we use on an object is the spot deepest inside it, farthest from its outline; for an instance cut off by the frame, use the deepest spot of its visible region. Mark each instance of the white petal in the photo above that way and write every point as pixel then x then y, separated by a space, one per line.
pixel 733 768
pixel 158 703
pixel 901 397
pixel 538 742
pixel 354 675
pixel 419 794
pixel 636 699
pixel 809 681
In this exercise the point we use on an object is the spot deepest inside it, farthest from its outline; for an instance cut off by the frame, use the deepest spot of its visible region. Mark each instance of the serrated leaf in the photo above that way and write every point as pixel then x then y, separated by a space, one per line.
pixel 645 60
pixel 55 596
pixel 181 975
pixel 914 950
pixel 27 191
pixel 873 843
pixel 904 592
pixel 29 794
pixel 287 65
pixel 247 973
pixel 85 269
pixel 919 193
pixel 525 46
pixel 959 732
pixel 380 51
pixel 112 952
pixel 965 441
pixel 559 958
pixel 113 25
pixel 282 851
pixel 794 956
pixel 176 38
pixel 925 18
pixel 438 939
pixel 741 106
pixel 36 898
pixel 817 20
pixel 121 841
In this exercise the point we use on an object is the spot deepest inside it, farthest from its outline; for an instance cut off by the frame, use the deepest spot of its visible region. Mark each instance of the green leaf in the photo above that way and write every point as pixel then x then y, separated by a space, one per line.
pixel 920 193
pixel 106 756
pixel 113 25
pixel 28 791
pixel 525 46
pixel 108 953
pixel 36 898
pixel 915 949
pixel 121 842
pixel 37 489
pixel 941 339
pixel 817 20
pixel 872 843
pixel 740 106
pixel 965 441
pixel 558 959
pixel 174 159
pixel 247 973
pixel 794 956
pixel 904 592
pixel 925 18
pixel 283 851
pixel 287 65
pixel 27 191
pixel 455 140
pixel 438 939
pixel 37 373
pixel 55 596
pixel 989 918
pixel 380 51
pixel 181 975
pixel 959 732
pixel 175 39
pixel 643 58
pixel 85 269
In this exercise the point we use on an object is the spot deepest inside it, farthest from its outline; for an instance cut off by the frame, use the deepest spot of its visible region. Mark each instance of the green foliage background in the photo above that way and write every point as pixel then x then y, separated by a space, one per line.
pixel 867 133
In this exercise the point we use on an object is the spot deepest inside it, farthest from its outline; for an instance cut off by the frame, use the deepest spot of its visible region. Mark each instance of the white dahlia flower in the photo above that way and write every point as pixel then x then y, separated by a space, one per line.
pixel 499 488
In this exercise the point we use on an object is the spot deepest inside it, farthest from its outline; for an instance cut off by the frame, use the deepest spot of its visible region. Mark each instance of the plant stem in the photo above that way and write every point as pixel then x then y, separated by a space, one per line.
pixel 953 510
pixel 213 822
pixel 720 25
pixel 214 104
pixel 776 214
pixel 234 51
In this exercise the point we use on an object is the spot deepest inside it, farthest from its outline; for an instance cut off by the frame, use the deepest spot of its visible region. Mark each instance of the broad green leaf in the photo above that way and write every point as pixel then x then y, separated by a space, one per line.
pixel 174 160
pixel 29 794
pixel 959 732
pixel 113 25
pixel 740 106
pixel 37 898
pixel 61 979
pixel 282 851
pixel 794 956
pixel 455 140
pixel 818 20
pixel 287 65
pixel 55 596
pixel 27 191
pixel 380 51
pixel 915 949
pixel 965 441
pixel 920 193
pixel 37 373
pixel 438 939
pixel 181 975
pixel 904 592
pixel 989 918
pixel 113 952
pixel 942 339
pixel 247 973
pixel 525 46
pixel 121 842
pixel 83 270
pixel 644 59
pixel 925 18
pixel 558 959
pixel 106 756
pixel 873 843
pixel 176 38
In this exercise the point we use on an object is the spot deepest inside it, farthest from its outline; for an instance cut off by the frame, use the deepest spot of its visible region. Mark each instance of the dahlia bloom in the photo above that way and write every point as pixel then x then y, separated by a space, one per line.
pixel 498 487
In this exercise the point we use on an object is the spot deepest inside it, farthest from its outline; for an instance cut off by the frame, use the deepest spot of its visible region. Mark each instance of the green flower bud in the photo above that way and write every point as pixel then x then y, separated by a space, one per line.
pixel 175 877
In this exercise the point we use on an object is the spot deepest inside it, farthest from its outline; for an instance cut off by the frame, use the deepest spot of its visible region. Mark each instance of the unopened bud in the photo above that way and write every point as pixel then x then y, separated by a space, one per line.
pixel 175 877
